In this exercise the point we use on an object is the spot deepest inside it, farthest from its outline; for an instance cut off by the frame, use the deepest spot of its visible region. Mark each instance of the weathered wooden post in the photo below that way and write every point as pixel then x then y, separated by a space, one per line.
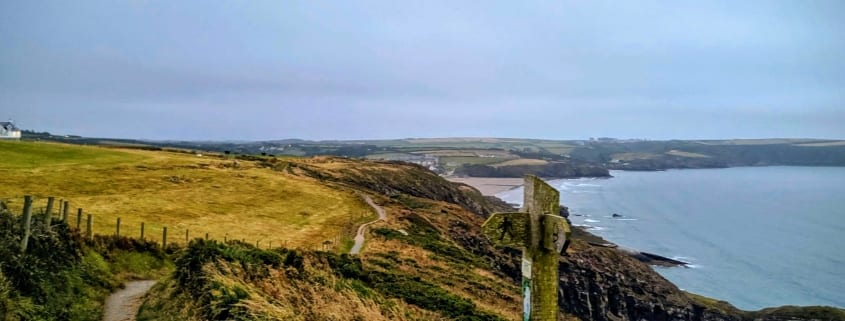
pixel 64 211
pixel 117 228
pixel 142 231
pixel 206 236
pixel 78 218
pixel 186 236
pixel 541 234
pixel 164 237
pixel 61 206
pixel 89 232
pixel 48 213
pixel 27 221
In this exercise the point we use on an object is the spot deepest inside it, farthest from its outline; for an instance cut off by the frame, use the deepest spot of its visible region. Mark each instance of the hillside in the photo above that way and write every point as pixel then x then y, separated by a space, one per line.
pixel 430 256
pixel 427 261
pixel 226 198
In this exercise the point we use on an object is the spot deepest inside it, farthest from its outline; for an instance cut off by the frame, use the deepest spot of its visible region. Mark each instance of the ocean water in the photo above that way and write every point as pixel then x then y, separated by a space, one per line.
pixel 755 236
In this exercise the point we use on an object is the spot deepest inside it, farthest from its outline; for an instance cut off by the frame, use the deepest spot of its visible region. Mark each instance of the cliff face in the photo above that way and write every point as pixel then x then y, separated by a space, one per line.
pixel 600 284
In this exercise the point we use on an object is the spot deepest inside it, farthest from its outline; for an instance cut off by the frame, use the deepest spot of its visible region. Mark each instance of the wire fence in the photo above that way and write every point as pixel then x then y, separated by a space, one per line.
pixel 49 211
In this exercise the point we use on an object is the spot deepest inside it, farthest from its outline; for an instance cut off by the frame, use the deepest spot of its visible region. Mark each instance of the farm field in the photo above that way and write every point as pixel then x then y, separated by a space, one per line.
pixel 222 197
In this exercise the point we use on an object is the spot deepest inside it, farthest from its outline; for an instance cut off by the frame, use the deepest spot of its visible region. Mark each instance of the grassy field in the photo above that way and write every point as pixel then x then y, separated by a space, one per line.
pixel 686 154
pixel 521 161
pixel 224 198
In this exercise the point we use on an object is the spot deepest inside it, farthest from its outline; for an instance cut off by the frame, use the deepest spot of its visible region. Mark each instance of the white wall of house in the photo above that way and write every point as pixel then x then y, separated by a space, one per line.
pixel 9 134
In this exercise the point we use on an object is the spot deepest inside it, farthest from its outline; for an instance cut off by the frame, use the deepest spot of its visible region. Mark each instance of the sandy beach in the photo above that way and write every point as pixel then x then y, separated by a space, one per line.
pixel 489 186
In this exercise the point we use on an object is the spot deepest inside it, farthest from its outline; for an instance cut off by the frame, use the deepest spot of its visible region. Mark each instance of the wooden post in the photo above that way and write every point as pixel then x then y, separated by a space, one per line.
pixel 64 211
pixel 186 236
pixel 542 235
pixel 89 232
pixel 48 213
pixel 61 206
pixel 27 221
pixel 164 237
pixel 117 228
pixel 206 236
pixel 78 218
pixel 142 231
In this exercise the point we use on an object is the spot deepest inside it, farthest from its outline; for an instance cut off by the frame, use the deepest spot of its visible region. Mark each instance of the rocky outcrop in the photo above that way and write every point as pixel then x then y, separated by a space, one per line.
pixel 603 285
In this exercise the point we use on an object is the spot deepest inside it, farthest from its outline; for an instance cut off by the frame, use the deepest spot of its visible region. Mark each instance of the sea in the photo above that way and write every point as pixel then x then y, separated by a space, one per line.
pixel 754 236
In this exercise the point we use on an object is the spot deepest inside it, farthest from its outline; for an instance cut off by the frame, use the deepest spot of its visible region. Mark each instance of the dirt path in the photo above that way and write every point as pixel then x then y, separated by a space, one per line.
pixel 359 237
pixel 123 305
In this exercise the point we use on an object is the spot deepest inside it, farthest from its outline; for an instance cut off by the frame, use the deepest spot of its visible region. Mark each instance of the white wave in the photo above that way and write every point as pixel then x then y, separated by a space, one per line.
pixel 596 228
pixel 626 219
pixel 591 221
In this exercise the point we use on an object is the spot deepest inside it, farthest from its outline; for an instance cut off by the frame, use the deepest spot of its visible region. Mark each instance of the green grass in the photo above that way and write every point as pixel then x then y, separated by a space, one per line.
pixel 35 155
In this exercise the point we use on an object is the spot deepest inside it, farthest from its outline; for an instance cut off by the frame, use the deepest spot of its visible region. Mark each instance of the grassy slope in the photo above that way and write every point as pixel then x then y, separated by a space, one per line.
pixel 424 275
pixel 181 191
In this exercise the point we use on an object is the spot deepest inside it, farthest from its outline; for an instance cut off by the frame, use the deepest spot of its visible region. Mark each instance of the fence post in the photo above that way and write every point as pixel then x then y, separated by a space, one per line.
pixel 48 213
pixel 186 236
pixel 78 218
pixel 206 236
pixel 61 207
pixel 89 233
pixel 64 211
pixel 164 237
pixel 27 221
pixel 142 231
pixel 117 230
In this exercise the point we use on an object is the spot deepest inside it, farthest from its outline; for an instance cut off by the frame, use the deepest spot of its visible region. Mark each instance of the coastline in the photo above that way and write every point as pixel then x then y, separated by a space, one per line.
pixel 490 186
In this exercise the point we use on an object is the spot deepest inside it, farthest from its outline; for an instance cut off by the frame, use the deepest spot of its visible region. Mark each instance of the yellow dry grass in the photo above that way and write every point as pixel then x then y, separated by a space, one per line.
pixel 224 198
pixel 521 161
pixel 633 156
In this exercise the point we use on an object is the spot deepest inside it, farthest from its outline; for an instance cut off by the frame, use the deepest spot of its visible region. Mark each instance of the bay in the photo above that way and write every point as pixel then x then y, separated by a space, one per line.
pixel 755 236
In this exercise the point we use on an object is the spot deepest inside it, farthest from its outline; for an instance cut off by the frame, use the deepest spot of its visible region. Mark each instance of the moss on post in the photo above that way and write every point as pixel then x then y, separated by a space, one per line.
pixel 541 199
pixel 541 234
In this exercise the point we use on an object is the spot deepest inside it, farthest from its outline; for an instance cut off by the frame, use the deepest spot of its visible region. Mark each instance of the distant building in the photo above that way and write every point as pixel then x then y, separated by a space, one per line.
pixel 8 130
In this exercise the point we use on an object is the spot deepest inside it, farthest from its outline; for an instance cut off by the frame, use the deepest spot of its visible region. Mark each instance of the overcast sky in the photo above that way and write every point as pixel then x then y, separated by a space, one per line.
pixel 387 69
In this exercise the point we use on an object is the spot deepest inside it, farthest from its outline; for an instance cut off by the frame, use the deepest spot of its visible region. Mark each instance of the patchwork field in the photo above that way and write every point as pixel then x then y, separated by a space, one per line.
pixel 225 198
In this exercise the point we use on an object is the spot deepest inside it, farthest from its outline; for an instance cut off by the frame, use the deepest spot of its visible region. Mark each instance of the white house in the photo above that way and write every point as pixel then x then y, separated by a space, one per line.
pixel 8 130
